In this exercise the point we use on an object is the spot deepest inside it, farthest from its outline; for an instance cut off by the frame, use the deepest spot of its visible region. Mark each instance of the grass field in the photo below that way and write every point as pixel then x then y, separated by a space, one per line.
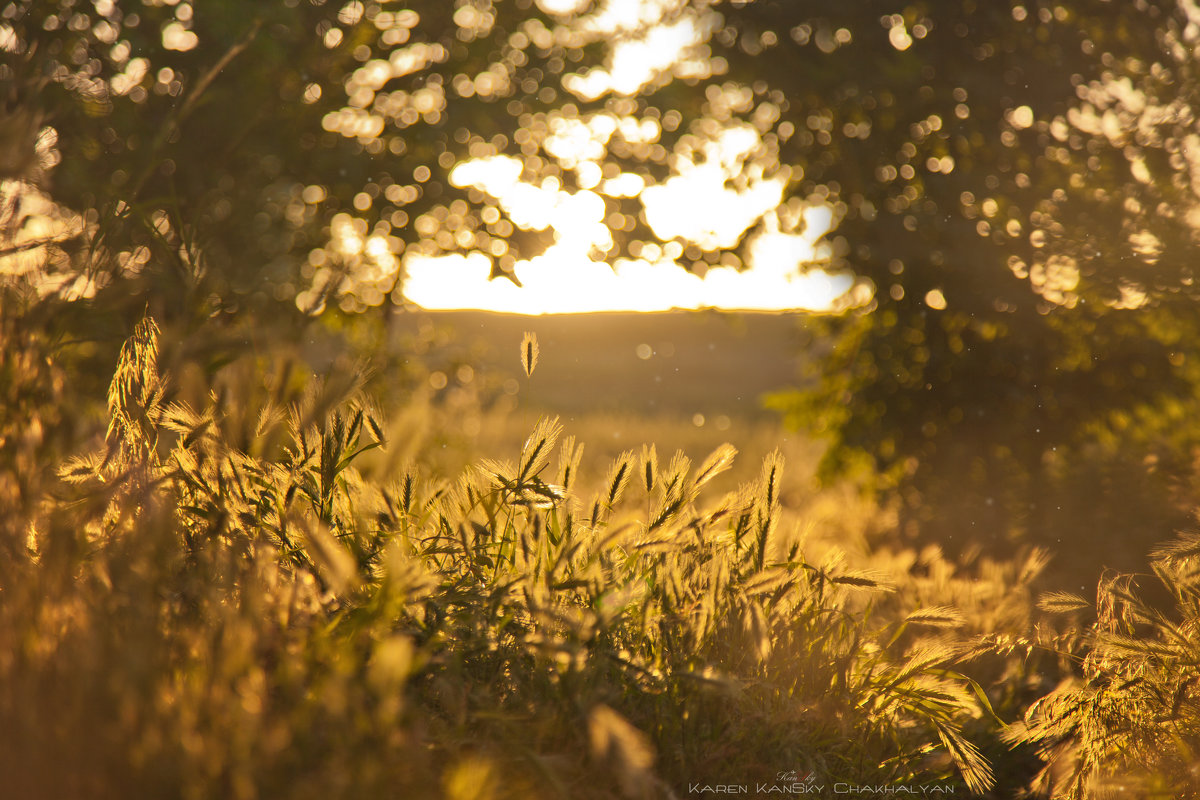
pixel 448 579
pixel 680 363
pixel 693 380
pixel 684 381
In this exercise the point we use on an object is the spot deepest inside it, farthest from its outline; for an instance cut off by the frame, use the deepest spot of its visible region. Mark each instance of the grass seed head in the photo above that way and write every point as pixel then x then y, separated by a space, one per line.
pixel 568 463
pixel 529 352
pixel 535 455
pixel 1061 602
pixel 937 617
pixel 618 477
pixel 772 474
pixel 717 462
pixel 649 467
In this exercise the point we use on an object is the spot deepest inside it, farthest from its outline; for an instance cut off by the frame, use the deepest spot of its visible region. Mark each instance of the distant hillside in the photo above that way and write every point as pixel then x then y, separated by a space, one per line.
pixel 686 362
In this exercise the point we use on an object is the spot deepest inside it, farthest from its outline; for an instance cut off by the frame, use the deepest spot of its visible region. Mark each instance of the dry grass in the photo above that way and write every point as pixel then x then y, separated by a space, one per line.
pixel 295 592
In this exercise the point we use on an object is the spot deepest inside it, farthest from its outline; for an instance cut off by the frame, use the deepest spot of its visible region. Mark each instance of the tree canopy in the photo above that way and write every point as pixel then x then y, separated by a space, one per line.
pixel 1015 180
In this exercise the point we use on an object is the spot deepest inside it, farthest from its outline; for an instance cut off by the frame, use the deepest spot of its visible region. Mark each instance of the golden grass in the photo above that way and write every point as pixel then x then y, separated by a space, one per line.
pixel 302 594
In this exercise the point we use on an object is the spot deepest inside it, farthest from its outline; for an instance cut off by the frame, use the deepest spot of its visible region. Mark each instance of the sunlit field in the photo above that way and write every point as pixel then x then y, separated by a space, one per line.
pixel 557 399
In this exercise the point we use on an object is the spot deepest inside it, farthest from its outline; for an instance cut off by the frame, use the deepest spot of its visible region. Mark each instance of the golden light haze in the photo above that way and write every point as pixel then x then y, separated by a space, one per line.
pixel 712 198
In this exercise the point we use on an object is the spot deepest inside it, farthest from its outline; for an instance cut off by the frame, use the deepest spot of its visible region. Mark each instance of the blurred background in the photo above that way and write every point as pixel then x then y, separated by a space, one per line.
pixel 943 248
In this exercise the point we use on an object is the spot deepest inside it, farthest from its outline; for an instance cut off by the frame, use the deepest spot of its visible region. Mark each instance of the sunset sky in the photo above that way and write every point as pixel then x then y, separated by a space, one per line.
pixel 712 201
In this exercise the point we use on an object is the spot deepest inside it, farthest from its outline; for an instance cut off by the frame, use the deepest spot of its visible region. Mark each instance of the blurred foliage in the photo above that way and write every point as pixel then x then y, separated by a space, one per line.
pixel 209 149
pixel 1013 182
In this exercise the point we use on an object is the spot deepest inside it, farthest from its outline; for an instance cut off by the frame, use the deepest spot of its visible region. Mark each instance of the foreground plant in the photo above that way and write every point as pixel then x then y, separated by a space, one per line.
pixel 1129 720
pixel 272 620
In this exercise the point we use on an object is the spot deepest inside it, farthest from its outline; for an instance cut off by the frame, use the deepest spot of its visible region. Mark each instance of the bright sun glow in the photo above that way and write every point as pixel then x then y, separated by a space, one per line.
pixel 551 286
pixel 564 280
pixel 636 61
pixel 696 205
pixel 718 192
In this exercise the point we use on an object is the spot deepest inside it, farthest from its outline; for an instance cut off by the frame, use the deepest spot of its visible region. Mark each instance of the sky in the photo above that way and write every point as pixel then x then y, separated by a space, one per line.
pixel 695 205
pixel 712 200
